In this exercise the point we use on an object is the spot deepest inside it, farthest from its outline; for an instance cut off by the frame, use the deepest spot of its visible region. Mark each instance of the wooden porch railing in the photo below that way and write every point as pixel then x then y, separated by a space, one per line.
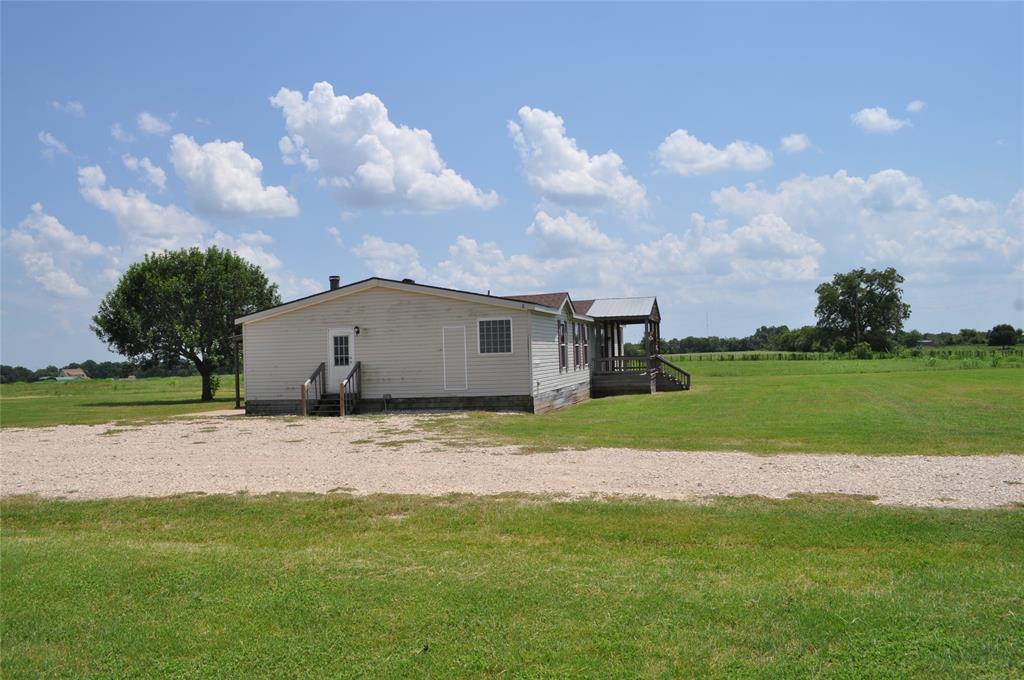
pixel 350 391
pixel 313 388
pixel 668 368
pixel 622 365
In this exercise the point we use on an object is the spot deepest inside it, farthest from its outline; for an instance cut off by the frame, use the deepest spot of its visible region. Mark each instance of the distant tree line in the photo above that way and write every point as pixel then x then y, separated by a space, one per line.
pixel 860 312
pixel 95 369
pixel 814 339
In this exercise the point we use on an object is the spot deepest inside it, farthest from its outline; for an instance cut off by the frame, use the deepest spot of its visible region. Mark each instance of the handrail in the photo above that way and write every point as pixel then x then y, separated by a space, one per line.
pixel 677 372
pixel 318 381
pixel 622 364
pixel 350 391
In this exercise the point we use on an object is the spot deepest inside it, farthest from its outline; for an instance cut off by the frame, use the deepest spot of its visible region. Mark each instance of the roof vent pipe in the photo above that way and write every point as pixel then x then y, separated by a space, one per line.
pixel 335 281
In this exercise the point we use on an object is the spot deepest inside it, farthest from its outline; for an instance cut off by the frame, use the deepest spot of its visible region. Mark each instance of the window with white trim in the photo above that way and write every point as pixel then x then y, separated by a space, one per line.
pixel 586 345
pixel 563 356
pixel 495 336
pixel 577 355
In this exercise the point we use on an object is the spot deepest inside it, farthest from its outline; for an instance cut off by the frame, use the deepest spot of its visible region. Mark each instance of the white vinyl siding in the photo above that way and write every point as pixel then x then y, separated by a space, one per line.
pixel 399 346
pixel 544 344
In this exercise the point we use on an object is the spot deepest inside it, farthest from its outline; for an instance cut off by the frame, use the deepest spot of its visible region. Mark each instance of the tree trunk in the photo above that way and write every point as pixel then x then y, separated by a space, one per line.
pixel 207 386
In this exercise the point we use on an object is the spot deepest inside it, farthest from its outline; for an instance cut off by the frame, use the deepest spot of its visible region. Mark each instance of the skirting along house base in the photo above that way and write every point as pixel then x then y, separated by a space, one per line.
pixel 380 344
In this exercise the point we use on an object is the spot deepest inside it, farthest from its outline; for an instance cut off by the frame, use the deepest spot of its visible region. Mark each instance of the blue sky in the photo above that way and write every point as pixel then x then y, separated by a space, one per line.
pixel 725 157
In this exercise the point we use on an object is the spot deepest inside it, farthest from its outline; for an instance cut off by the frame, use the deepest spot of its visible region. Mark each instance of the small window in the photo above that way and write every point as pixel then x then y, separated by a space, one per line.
pixel 577 356
pixel 341 353
pixel 495 336
pixel 563 356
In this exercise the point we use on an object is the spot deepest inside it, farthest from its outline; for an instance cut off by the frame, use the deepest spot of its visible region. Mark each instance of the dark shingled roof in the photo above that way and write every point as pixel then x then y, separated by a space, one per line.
pixel 583 306
pixel 553 300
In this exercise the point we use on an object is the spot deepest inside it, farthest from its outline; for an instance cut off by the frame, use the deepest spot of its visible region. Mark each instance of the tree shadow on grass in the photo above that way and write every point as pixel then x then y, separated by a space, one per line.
pixel 159 402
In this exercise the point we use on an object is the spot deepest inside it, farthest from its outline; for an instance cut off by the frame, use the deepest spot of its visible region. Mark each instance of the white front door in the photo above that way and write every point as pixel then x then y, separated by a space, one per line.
pixel 341 355
pixel 453 358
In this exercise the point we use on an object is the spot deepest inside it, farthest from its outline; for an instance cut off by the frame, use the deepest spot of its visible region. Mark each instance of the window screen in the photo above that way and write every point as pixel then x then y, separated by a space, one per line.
pixel 495 336
pixel 341 353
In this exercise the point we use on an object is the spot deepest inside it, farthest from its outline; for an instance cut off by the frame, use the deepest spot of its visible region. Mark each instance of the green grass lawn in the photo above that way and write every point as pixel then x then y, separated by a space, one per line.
pixel 892 406
pixel 334 586
pixel 89 402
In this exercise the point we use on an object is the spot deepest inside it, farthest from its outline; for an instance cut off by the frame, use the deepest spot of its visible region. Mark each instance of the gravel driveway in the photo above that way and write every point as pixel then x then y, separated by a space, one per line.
pixel 230 453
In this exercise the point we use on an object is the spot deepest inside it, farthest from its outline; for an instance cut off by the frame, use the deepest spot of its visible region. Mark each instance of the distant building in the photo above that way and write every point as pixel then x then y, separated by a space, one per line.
pixel 72 374
pixel 926 343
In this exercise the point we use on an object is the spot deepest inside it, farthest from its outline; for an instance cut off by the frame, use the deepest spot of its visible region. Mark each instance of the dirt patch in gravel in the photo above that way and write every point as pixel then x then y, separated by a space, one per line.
pixel 215 453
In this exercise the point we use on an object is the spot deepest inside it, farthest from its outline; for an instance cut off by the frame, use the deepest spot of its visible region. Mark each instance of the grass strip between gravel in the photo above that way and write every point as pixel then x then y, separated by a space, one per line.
pixel 336 586
pixel 94 402
pixel 829 407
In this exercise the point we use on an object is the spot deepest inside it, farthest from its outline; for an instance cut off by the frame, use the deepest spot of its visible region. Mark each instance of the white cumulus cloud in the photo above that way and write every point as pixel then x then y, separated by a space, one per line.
pixel 365 158
pixel 568 233
pixel 44 270
pixel 257 236
pixel 389 260
pixel 53 146
pixel 684 154
pixel 71 108
pixel 147 225
pixel 916 106
pixel 152 125
pixel 567 175
pixel 483 266
pixel 249 246
pixel 954 204
pixel 795 143
pixel 709 260
pixel 336 235
pixel 153 174
pixel 120 134
pixel 220 177
pixel 765 249
pixel 886 217
pixel 39 229
pixel 877 119
pixel 49 251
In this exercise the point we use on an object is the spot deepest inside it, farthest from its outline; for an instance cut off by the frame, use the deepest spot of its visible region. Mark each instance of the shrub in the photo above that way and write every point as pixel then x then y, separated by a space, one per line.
pixel 861 350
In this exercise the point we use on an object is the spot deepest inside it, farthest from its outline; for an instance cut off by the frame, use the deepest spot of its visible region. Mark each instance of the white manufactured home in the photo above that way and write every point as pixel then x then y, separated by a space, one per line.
pixel 379 344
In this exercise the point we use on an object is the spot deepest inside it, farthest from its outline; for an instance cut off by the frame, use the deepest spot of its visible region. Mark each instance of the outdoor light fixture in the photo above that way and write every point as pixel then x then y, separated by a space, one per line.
pixel 356 329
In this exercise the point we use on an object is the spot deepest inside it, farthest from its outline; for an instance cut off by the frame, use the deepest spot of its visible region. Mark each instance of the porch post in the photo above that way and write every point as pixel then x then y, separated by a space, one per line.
pixel 238 391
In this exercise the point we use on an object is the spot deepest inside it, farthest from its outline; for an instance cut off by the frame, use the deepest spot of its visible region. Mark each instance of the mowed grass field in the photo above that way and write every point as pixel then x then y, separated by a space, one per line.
pixel 90 402
pixel 890 406
pixel 925 405
pixel 406 587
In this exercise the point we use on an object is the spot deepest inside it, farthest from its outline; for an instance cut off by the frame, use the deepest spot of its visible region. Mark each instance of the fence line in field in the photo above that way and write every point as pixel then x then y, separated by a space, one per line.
pixel 936 352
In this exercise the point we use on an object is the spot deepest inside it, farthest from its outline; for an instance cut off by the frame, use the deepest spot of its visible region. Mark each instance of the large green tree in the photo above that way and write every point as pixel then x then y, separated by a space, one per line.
pixel 1002 335
pixel 862 306
pixel 182 305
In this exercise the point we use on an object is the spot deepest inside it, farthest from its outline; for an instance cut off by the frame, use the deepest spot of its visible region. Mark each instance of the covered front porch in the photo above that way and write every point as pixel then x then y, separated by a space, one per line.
pixel 614 373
